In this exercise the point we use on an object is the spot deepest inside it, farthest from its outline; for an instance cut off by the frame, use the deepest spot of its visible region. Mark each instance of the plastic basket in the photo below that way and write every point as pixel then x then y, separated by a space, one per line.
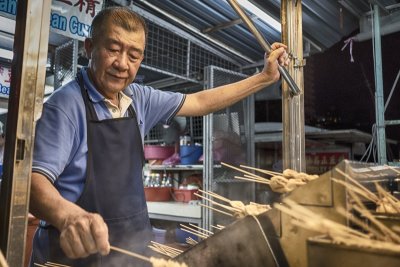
pixel 190 154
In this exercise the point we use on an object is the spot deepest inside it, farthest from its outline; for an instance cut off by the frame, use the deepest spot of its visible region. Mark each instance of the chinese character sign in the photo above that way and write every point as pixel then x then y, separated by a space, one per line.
pixel 5 79
pixel 318 162
pixel 73 18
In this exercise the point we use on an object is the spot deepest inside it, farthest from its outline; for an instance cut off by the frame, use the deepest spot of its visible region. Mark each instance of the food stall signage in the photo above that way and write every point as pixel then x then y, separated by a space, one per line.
pixel 8 6
pixel 71 18
pixel 5 77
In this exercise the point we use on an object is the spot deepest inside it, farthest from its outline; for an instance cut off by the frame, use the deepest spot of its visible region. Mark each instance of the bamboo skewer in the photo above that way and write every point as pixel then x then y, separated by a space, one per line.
pixel 272 173
pixel 252 180
pixel 306 216
pixel 356 189
pixel 167 247
pixel 215 209
pixel 392 235
pixel 218 204
pixel 132 254
pixel 372 195
pixel 240 170
pixel 360 223
pixel 201 229
pixel 393 169
pixel 385 193
pixel 218 227
pixel 215 195
pixel 191 241
pixel 50 264
pixel 258 179
pixel 56 264
pixel 193 231
pixel 165 250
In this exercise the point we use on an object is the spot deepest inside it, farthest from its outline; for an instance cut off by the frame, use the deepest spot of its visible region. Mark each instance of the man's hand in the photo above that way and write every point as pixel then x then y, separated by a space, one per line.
pixel 277 55
pixel 84 234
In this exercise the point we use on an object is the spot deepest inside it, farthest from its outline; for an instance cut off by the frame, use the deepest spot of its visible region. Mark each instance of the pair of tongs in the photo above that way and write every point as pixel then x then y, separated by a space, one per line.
pixel 294 89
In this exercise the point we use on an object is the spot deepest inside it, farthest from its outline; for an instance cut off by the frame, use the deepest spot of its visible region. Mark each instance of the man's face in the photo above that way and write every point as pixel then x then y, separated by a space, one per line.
pixel 115 59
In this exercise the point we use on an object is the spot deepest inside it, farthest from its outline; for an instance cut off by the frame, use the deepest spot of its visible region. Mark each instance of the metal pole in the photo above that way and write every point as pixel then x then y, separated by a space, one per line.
pixel 293 139
pixel 379 101
pixel 294 89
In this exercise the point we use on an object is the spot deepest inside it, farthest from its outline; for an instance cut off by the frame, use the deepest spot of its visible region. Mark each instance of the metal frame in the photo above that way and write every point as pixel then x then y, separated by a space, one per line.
pixel 27 90
pixel 379 102
pixel 208 130
pixel 293 146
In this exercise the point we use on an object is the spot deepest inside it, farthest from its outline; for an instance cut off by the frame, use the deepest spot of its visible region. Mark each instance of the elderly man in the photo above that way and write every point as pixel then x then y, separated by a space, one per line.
pixel 87 170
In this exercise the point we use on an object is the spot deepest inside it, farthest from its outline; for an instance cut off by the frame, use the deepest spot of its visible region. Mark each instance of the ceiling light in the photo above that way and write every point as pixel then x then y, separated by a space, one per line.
pixel 260 14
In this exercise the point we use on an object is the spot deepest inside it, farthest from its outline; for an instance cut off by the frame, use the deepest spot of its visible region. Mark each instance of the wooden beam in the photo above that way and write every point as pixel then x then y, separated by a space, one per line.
pixel 25 104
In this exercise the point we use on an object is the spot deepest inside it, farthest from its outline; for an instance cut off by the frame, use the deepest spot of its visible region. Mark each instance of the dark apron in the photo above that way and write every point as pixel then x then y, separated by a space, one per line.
pixel 113 188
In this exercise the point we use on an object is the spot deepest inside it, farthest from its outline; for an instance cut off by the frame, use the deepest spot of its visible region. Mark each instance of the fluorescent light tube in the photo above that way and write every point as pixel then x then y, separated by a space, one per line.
pixel 260 14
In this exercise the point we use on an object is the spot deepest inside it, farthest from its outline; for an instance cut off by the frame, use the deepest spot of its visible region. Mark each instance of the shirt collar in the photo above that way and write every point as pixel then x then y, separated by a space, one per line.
pixel 95 95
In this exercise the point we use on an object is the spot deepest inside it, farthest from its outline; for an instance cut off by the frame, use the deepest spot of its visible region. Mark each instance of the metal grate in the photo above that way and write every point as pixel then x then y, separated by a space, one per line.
pixel 65 63
pixel 194 128
pixel 229 138
pixel 170 53
pixel 165 50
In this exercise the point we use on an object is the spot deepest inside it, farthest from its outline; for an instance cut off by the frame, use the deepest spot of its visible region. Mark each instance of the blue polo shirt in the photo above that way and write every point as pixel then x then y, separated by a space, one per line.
pixel 60 150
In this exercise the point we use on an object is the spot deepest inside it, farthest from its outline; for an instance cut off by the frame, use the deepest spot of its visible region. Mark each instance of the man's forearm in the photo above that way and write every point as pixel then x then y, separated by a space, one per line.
pixel 207 101
pixel 46 202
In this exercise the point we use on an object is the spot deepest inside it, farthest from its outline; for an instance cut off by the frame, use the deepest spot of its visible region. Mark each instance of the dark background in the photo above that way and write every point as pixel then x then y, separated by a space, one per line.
pixel 339 94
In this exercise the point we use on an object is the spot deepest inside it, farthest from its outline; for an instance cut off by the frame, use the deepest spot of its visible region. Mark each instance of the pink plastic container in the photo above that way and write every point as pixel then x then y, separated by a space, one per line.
pixel 158 152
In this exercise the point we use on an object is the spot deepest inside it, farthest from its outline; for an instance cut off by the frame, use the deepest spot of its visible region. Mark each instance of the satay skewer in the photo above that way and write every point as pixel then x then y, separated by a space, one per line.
pixel 218 204
pixel 49 263
pixel 215 209
pixel 193 231
pixel 129 253
pixel 215 195
pixel 272 173
pixel 191 241
pixel 241 170
pixel 201 229
pixel 372 195
pixel 252 180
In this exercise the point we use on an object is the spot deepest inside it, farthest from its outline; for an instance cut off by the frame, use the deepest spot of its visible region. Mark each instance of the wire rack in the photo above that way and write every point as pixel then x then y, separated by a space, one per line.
pixel 65 63
pixel 171 53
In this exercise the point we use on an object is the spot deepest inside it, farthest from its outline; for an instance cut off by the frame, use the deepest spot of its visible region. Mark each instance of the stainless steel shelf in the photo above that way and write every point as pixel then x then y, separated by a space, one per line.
pixel 175 211
pixel 174 167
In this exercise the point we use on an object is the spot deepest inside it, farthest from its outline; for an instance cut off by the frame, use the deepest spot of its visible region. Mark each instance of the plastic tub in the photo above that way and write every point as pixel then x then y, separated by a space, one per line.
pixel 185 195
pixel 159 235
pixel 158 193
pixel 190 154
pixel 158 152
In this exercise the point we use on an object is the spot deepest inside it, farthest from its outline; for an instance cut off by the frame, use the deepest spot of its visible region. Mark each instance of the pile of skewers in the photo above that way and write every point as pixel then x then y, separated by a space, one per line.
pixel 384 201
pixel 156 262
pixel 374 234
pixel 283 182
pixel 232 208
